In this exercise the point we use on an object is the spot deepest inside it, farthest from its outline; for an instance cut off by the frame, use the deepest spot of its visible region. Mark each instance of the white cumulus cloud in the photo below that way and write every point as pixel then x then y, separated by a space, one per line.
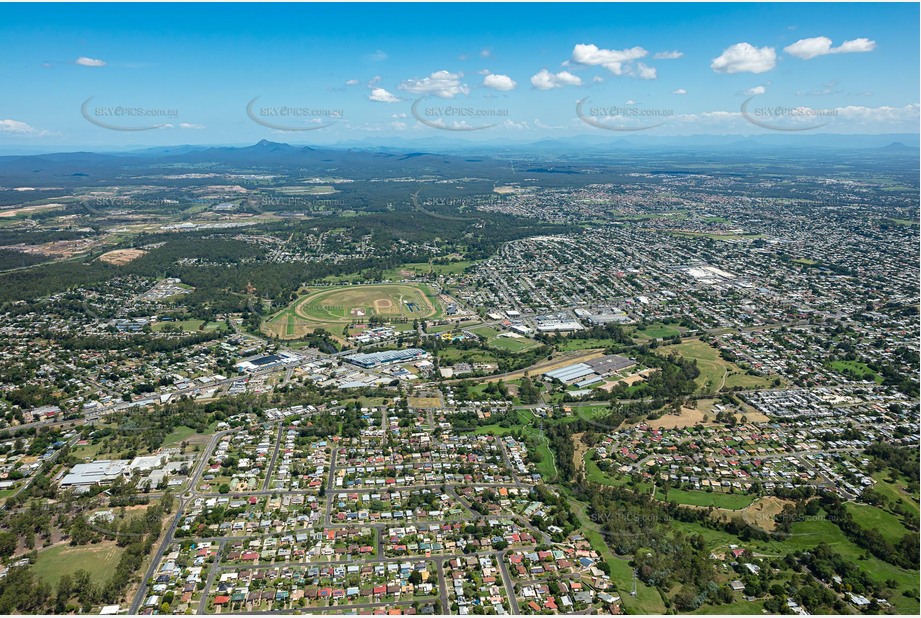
pixel 667 55
pixel 90 62
pixel 906 115
pixel 545 80
pixel 821 46
pixel 14 127
pixel 617 61
pixel 382 96
pixel 499 82
pixel 755 90
pixel 679 91
pixel 745 58
pixel 645 72
pixel 190 125
pixel 442 84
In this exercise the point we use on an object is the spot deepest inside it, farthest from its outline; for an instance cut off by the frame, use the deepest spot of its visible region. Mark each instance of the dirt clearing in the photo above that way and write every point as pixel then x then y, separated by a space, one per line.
pixel 120 257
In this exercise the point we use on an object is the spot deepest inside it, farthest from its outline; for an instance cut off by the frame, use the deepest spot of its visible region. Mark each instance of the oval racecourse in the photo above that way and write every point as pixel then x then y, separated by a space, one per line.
pixel 335 308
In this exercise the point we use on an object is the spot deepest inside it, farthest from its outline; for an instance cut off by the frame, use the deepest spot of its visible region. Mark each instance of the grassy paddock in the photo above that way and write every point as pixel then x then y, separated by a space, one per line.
pixel 732 502
pixel 99 559
pixel 714 369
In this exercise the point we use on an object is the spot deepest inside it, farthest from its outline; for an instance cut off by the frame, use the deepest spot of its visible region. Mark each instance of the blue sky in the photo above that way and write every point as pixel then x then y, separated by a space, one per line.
pixel 331 73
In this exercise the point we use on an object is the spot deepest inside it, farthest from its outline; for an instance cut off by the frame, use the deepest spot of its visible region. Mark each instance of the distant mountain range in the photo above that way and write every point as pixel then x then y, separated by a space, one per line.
pixel 418 158
pixel 263 156
pixel 577 143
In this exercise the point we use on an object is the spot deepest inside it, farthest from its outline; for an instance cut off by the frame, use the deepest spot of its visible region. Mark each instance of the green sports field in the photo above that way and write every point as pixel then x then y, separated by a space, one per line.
pixel 333 308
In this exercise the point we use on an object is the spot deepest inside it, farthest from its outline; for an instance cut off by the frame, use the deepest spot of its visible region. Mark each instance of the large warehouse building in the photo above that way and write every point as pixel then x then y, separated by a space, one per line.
pixel 375 359
pixel 590 372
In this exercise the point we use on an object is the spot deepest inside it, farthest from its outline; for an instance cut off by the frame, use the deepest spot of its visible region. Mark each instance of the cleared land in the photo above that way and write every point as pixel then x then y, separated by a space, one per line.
pixel 690 417
pixel 503 341
pixel 188 326
pixel 26 210
pixel 759 513
pixel 120 257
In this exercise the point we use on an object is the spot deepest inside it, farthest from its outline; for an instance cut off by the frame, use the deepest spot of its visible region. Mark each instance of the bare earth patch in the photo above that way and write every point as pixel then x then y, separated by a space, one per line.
pixel 759 513
pixel 578 451
pixel 688 417
pixel 639 376
pixel 424 402
pixel 120 257
pixel 383 305
pixel 13 212
pixel 695 416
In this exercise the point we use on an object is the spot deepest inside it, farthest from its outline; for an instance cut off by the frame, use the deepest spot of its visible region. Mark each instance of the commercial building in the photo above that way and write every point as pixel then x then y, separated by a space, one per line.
pixel 265 361
pixel 375 359
pixel 96 473
pixel 590 372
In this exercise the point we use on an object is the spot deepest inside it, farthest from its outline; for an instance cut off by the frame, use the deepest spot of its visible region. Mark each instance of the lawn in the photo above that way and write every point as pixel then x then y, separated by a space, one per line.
pixel 407 271
pixel 513 344
pixel 484 330
pixel 716 499
pixel 187 434
pixel 715 372
pixel 454 268
pixel 585 344
pixel 333 308
pixel 87 451
pixel 873 518
pixel 416 269
pixel 187 326
pixel 455 355
pixel 440 329
pixel 736 608
pixel 524 417
pixel 895 492
pixel 855 370
pixel 99 559
pixel 591 412
pixel 594 474
pixel 658 331
pixel 743 380
pixel 546 466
